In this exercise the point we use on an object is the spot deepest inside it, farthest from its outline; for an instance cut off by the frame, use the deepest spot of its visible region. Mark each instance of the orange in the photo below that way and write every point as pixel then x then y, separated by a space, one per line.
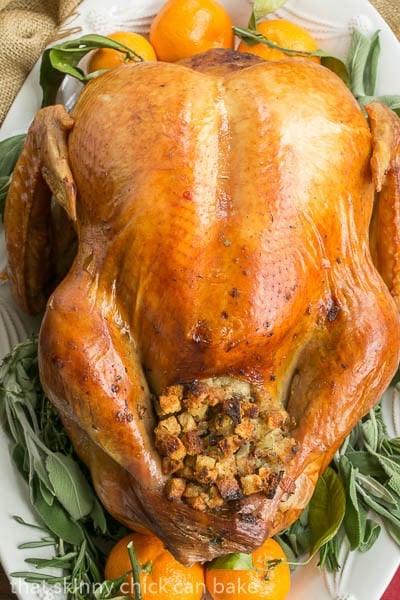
pixel 162 576
pixel 183 28
pixel 285 34
pixel 265 582
pixel 107 58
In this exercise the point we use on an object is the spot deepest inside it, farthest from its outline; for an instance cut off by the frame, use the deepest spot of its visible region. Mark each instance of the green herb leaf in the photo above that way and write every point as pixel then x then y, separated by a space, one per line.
pixel 63 59
pixel 370 433
pixel 394 532
pixel 376 489
pixel 333 63
pixel 98 517
pixel 396 378
pixel 30 577
pixel 10 149
pixel 70 485
pixel 237 561
pixel 261 8
pixel 393 102
pixel 355 516
pixel 371 67
pixel 329 554
pixel 391 515
pixel 357 59
pixel 362 63
pixel 327 509
pixel 371 534
pixel 365 462
pixel 55 517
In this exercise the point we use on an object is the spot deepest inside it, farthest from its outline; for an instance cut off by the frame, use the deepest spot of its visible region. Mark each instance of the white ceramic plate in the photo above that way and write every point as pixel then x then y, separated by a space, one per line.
pixel 362 577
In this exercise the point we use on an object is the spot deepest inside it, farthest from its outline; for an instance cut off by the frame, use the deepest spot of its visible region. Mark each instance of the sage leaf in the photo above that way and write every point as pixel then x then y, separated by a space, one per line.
pixel 370 433
pixel 357 59
pixel 394 531
pixel 55 517
pixel 390 465
pixel 391 447
pixel 48 495
pixel 70 485
pixel 354 520
pixel 393 102
pixel 261 8
pixel 365 462
pixel 36 463
pixel 10 150
pixel 376 489
pixel 98 516
pixel 394 484
pixel 327 509
pixel 4 185
pixel 391 515
pixel 371 67
pixel 236 561
pixel 19 456
pixel 371 534
pixel 362 61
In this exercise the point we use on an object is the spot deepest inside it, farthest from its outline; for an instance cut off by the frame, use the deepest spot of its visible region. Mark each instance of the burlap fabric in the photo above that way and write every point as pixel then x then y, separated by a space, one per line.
pixel 26 26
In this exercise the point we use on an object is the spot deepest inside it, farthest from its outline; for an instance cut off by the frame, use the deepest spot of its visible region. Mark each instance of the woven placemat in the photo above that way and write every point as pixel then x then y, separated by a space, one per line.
pixel 27 26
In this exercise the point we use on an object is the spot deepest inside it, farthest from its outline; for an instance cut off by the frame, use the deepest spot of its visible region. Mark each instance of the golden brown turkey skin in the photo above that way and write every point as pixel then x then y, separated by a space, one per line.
pixel 223 231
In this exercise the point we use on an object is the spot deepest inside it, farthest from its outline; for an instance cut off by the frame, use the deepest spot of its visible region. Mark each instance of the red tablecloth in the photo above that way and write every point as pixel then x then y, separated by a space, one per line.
pixel 393 591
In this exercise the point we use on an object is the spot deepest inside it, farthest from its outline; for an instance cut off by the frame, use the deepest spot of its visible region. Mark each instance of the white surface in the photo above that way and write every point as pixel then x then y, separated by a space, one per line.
pixel 363 577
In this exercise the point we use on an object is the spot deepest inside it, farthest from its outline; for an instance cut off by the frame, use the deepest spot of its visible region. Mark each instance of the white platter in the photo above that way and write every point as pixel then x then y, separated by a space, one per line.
pixel 363 577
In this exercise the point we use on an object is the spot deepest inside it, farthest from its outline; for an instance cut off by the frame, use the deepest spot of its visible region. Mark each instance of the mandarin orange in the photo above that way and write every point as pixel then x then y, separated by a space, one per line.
pixel 183 28
pixel 284 34
pixel 162 576
pixel 107 58
pixel 269 580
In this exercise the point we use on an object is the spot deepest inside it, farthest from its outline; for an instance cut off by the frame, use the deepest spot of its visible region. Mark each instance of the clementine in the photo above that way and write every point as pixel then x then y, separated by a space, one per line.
pixel 268 578
pixel 183 28
pixel 162 577
pixel 107 58
pixel 284 34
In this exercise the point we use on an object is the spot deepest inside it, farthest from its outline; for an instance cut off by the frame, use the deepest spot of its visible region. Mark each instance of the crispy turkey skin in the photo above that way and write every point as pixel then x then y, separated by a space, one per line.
pixel 223 222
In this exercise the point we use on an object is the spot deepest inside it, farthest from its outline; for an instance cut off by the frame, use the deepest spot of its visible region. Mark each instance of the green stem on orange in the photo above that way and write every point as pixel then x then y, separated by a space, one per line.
pixel 136 569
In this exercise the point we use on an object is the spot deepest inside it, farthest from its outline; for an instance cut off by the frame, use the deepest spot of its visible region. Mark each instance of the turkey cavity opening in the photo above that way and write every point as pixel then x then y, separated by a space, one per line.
pixel 220 441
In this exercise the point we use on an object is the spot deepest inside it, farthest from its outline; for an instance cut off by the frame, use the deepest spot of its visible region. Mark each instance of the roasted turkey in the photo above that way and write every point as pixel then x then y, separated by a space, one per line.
pixel 219 285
